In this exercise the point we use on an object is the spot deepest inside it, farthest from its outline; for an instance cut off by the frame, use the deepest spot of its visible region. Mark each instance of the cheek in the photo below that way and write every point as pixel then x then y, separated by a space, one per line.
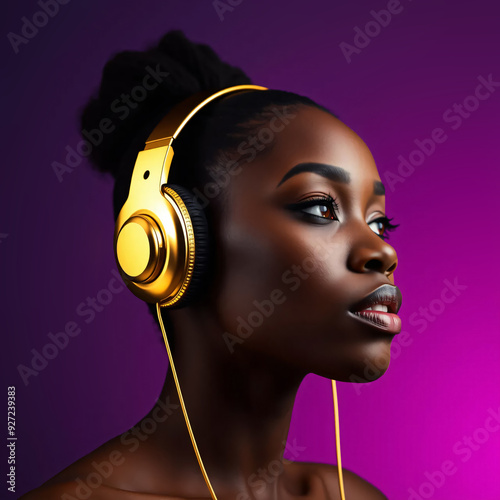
pixel 316 300
pixel 251 268
pixel 279 284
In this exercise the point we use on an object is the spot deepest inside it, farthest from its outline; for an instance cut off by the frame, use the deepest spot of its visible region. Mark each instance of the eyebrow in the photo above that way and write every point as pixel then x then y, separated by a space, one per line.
pixel 331 172
pixel 378 188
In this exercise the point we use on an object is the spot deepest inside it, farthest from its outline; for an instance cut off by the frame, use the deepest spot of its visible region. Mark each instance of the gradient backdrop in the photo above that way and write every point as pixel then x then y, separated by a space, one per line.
pixel 438 406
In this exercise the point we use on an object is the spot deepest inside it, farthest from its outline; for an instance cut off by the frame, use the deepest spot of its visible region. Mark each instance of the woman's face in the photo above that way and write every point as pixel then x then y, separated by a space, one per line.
pixel 289 272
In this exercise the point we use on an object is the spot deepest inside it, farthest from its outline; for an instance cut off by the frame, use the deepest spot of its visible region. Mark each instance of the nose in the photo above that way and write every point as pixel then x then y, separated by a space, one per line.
pixel 370 252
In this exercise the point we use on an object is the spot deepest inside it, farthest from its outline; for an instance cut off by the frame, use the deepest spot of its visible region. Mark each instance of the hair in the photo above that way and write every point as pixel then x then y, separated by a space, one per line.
pixel 138 88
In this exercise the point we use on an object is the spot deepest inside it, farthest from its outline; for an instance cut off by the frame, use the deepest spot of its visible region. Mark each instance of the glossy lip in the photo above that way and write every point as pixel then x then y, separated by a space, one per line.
pixel 386 294
pixel 388 322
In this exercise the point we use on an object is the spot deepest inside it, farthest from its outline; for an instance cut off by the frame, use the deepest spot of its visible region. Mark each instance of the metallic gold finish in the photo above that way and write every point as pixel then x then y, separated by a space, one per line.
pixel 139 248
pixel 146 199
pixel 189 263
pixel 164 275
pixel 177 118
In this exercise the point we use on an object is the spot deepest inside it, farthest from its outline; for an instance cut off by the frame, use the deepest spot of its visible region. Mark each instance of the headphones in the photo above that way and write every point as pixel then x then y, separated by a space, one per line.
pixel 161 238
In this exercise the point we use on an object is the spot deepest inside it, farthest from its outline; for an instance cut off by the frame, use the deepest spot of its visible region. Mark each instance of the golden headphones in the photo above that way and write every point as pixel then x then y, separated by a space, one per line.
pixel 161 233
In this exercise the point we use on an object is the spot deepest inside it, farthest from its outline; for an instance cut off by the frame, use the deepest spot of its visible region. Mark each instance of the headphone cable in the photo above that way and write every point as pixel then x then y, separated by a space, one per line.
pixel 183 406
pixel 337 439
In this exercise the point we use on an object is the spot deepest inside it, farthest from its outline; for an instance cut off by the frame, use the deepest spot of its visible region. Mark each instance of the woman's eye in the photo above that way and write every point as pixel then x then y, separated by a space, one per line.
pixel 381 226
pixel 377 226
pixel 319 210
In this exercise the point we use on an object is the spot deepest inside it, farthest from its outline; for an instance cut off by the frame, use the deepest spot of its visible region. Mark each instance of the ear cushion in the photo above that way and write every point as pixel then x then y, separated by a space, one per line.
pixel 202 247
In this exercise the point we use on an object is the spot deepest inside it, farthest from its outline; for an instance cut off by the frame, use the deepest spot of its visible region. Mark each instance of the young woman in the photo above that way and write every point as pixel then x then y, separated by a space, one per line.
pixel 298 279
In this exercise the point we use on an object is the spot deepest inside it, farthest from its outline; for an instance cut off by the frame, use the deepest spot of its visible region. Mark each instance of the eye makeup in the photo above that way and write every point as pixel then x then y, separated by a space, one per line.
pixel 317 209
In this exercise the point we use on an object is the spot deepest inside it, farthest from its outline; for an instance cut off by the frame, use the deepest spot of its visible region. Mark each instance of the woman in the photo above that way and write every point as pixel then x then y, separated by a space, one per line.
pixel 299 279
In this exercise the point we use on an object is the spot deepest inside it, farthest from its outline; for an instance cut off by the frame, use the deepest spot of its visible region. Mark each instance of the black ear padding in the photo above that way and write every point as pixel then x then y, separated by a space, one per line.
pixel 202 247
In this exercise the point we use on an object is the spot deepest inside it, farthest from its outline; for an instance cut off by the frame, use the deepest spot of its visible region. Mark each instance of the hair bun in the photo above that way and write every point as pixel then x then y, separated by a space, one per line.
pixel 139 87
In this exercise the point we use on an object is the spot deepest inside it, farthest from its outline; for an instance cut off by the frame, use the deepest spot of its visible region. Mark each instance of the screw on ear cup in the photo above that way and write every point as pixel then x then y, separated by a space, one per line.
pixel 202 247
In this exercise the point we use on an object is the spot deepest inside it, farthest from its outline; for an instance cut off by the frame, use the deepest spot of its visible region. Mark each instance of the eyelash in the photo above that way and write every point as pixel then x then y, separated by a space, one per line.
pixel 388 227
pixel 334 207
pixel 328 201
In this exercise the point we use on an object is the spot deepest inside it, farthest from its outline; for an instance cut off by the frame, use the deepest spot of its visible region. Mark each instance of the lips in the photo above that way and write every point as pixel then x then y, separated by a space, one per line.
pixel 385 295
pixel 380 308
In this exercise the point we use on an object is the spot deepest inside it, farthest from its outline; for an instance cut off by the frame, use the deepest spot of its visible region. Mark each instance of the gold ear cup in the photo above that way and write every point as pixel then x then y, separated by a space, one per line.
pixel 152 251
pixel 140 249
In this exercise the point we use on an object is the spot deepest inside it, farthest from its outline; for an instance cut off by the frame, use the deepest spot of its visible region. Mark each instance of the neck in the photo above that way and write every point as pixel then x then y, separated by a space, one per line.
pixel 239 404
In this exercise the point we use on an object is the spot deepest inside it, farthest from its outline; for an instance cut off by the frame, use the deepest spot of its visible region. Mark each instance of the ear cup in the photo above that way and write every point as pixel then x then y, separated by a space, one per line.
pixel 202 247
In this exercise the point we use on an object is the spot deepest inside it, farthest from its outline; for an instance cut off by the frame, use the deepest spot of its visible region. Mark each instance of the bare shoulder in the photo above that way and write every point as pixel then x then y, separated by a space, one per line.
pixel 106 473
pixel 72 490
pixel 61 491
pixel 355 486
pixel 325 476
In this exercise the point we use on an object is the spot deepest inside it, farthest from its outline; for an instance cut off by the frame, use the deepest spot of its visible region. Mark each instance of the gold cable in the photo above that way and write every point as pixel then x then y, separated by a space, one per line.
pixel 183 406
pixel 337 439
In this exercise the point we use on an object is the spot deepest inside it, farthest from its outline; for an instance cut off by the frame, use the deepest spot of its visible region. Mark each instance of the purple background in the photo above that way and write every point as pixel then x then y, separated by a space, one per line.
pixel 396 432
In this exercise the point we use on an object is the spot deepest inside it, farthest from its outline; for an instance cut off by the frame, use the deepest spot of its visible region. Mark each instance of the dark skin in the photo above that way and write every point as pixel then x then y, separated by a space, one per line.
pixel 240 395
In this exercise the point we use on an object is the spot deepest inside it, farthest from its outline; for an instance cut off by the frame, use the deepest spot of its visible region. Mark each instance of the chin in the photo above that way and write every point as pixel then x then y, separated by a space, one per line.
pixel 372 365
pixel 362 366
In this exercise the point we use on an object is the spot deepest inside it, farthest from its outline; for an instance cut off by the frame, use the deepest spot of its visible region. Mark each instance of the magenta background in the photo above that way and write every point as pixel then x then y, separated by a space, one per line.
pixel 59 245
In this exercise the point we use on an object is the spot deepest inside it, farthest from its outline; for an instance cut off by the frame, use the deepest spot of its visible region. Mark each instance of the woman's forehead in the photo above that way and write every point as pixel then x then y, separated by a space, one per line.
pixel 311 136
